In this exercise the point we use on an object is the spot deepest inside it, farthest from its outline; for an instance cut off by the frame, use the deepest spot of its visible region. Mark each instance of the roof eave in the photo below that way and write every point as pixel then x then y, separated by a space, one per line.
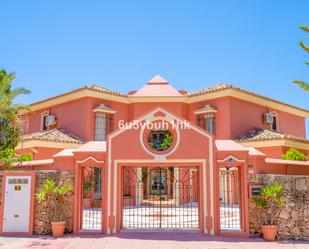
pixel 188 98
pixel 285 142
pixel 33 143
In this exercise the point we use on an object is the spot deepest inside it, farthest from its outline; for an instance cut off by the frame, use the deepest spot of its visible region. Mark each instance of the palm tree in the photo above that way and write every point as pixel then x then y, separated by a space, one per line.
pixel 10 130
pixel 301 83
pixel 8 109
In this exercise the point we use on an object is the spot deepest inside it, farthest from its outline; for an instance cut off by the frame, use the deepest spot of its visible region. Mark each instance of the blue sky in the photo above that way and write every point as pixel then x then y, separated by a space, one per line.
pixel 56 46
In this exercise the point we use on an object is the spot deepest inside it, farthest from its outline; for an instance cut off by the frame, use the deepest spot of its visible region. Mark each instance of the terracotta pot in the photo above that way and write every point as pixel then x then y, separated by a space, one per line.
pixel 269 232
pixel 58 228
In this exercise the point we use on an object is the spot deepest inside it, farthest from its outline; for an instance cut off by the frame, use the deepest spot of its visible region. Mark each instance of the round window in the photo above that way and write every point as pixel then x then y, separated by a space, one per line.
pixel 160 140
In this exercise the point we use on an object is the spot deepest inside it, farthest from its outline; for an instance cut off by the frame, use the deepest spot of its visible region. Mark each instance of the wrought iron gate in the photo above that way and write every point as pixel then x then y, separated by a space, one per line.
pixel 92 199
pixel 230 198
pixel 160 198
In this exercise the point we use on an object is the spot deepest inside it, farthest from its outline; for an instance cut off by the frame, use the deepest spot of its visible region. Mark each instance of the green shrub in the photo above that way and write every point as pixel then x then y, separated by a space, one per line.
pixel 167 142
pixel 8 158
pixel 269 202
pixel 52 193
pixel 294 154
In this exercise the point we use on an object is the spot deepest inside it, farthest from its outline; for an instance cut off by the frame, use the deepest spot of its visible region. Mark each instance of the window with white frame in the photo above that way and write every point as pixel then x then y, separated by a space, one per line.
pixel 210 123
pixel 100 126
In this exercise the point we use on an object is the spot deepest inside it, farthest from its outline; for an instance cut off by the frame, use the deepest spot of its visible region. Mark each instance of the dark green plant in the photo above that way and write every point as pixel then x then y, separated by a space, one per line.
pixel 301 83
pixel 8 158
pixel 144 174
pixel 269 202
pixel 8 109
pixel 88 186
pixel 87 189
pixel 166 142
pixel 9 134
pixel 10 120
pixel 294 154
pixel 52 193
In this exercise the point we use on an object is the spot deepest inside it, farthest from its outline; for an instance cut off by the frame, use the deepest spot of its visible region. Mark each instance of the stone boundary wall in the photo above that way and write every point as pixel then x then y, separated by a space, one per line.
pixel 42 210
pixel 293 220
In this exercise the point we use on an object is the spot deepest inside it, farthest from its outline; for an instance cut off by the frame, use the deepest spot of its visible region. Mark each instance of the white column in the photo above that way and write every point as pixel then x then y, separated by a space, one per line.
pixel 139 187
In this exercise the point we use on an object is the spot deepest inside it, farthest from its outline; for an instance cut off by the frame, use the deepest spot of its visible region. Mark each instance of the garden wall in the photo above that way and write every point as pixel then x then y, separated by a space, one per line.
pixel 293 219
pixel 42 210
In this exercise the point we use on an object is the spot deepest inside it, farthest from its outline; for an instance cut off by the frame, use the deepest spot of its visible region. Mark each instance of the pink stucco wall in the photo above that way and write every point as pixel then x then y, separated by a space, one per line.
pixel 245 116
pixel 234 117
pixel 222 116
pixel 41 152
pixel 76 116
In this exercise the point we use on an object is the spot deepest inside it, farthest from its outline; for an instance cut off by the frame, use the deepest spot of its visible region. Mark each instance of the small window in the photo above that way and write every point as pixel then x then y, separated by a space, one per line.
pixel 274 125
pixel 100 126
pixel 210 123
pixel 43 121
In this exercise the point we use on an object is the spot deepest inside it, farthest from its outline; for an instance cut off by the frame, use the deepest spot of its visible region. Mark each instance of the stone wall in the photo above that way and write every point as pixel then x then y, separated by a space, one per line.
pixel 43 211
pixel 293 219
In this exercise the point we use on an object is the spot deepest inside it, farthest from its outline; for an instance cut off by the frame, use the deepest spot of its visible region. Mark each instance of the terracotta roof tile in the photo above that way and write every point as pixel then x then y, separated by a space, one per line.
pixel 259 134
pixel 105 90
pixel 53 135
pixel 89 87
pixel 209 89
pixel 222 86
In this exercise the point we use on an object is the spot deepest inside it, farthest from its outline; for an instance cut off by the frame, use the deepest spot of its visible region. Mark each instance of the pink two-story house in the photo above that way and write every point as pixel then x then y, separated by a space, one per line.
pixel 162 158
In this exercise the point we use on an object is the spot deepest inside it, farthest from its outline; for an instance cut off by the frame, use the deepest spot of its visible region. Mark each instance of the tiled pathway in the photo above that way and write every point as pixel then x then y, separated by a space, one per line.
pixel 150 240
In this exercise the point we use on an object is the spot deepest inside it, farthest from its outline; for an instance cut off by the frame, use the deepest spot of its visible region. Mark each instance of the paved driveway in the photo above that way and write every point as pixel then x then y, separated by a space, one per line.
pixel 149 240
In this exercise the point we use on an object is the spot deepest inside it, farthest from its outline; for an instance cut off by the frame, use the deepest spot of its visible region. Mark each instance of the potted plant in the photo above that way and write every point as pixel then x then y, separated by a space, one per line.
pixel 54 194
pixel 269 203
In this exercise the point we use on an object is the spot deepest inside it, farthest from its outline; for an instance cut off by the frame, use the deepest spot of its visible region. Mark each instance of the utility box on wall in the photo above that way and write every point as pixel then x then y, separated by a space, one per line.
pixel 16 214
